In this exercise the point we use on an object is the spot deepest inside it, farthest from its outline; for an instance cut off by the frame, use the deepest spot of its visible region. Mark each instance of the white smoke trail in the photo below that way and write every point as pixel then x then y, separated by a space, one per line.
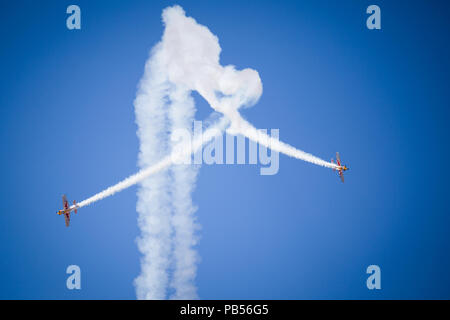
pixel 241 126
pixel 181 115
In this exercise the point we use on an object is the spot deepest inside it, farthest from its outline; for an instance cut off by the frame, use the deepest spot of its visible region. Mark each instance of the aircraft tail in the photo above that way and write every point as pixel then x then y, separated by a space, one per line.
pixel 75 204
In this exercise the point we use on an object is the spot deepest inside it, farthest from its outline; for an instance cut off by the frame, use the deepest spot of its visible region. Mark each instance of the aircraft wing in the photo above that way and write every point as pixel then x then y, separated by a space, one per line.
pixel 67 218
pixel 341 175
pixel 338 159
pixel 65 202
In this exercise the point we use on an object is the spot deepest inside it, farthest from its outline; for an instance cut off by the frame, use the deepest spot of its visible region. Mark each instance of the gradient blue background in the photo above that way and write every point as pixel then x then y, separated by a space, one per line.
pixel 381 98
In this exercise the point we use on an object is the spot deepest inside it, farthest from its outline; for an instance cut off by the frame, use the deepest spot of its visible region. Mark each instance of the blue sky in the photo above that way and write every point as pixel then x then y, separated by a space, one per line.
pixel 380 98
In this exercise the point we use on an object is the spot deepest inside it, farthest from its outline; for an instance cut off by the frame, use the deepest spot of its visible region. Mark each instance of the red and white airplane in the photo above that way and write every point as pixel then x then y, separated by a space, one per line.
pixel 340 168
pixel 67 209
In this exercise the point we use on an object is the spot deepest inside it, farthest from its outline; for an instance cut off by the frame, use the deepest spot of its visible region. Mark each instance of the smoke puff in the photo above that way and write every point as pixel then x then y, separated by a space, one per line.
pixel 191 59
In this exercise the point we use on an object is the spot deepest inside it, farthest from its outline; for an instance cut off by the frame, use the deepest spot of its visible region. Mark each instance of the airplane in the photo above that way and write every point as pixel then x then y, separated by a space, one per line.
pixel 340 167
pixel 66 211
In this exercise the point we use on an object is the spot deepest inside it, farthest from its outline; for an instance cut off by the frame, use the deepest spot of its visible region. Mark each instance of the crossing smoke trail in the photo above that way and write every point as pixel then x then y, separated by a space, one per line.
pixel 155 241
pixel 185 60
pixel 163 164
pixel 215 78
